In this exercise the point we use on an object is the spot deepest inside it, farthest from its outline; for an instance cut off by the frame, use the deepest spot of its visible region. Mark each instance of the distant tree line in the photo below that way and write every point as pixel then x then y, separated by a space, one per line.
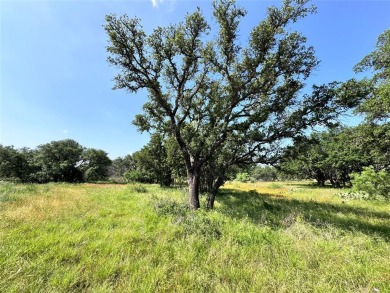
pixel 57 161
pixel 335 154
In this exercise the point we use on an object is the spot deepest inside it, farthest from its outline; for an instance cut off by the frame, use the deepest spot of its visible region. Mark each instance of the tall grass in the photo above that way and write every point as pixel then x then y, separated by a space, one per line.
pixel 127 238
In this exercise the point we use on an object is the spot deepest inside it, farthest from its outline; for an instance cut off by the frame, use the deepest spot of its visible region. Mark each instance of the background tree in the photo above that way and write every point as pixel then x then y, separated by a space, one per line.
pixel 58 161
pixel 152 163
pixel 264 173
pixel 210 92
pixel 120 166
pixel 94 165
pixel 334 154
pixel 13 164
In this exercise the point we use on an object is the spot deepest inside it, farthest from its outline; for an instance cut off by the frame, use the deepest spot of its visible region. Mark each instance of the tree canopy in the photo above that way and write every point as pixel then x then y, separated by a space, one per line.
pixel 376 105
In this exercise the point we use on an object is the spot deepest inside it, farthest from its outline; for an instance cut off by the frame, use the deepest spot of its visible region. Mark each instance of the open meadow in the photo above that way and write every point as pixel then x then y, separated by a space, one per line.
pixel 261 237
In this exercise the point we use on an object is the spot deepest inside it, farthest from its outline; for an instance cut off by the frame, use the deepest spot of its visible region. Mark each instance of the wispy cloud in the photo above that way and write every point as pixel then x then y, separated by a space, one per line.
pixel 171 8
pixel 65 131
pixel 156 2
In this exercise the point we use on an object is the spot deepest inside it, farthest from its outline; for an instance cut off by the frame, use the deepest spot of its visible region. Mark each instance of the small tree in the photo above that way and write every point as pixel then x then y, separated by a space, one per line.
pixel 152 162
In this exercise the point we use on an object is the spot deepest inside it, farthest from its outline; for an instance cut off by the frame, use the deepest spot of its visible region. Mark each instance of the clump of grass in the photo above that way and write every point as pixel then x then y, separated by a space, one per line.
pixel 167 206
pixel 138 188
pixel 200 223
pixel 190 222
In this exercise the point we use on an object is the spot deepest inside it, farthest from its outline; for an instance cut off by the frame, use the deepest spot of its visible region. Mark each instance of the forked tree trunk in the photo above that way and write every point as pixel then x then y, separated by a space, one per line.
pixel 214 191
pixel 193 187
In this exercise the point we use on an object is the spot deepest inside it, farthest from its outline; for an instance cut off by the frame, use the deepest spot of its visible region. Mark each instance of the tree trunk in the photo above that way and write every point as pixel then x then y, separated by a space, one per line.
pixel 213 193
pixel 193 186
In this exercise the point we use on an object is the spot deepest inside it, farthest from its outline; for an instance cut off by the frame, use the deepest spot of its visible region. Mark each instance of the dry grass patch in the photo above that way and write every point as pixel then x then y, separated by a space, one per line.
pixel 48 201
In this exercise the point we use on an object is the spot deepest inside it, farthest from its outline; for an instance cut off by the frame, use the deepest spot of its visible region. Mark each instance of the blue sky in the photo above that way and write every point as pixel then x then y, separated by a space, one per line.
pixel 55 82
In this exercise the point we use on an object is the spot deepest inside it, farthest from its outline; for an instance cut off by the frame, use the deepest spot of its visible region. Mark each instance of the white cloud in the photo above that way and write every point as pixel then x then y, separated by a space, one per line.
pixel 156 2
pixel 65 131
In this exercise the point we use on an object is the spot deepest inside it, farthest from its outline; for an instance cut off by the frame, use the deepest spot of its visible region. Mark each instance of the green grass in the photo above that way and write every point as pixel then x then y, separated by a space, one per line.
pixel 292 237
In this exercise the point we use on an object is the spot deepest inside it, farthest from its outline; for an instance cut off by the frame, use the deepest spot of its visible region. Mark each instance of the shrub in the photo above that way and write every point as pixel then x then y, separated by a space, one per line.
pixel 371 182
pixel 242 177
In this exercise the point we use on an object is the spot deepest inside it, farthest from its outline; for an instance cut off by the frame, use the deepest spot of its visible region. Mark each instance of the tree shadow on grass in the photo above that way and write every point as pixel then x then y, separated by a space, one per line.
pixel 279 212
pixel 314 185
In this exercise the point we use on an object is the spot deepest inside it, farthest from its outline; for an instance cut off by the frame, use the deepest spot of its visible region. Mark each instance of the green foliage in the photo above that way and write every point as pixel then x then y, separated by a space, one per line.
pixel 95 165
pixel 120 166
pixel 334 154
pixel 10 192
pixel 170 207
pixel 376 104
pixel 135 176
pixel 13 164
pixel 264 173
pixel 152 164
pixel 372 183
pixel 57 161
pixel 242 177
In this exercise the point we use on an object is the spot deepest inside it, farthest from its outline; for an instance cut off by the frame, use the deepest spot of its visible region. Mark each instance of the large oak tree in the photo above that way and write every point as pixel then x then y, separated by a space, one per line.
pixel 216 96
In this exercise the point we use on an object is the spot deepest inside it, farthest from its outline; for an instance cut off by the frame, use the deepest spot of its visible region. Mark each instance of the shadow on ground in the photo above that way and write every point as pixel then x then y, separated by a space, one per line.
pixel 314 185
pixel 280 212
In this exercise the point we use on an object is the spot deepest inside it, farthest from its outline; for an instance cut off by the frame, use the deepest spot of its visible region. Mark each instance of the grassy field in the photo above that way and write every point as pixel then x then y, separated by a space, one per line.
pixel 262 237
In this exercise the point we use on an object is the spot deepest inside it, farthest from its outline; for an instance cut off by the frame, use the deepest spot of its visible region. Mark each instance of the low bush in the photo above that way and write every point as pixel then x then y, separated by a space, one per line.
pixel 372 183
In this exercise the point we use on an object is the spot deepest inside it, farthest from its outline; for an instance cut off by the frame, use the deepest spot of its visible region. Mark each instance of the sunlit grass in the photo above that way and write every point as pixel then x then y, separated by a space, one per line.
pixel 262 237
